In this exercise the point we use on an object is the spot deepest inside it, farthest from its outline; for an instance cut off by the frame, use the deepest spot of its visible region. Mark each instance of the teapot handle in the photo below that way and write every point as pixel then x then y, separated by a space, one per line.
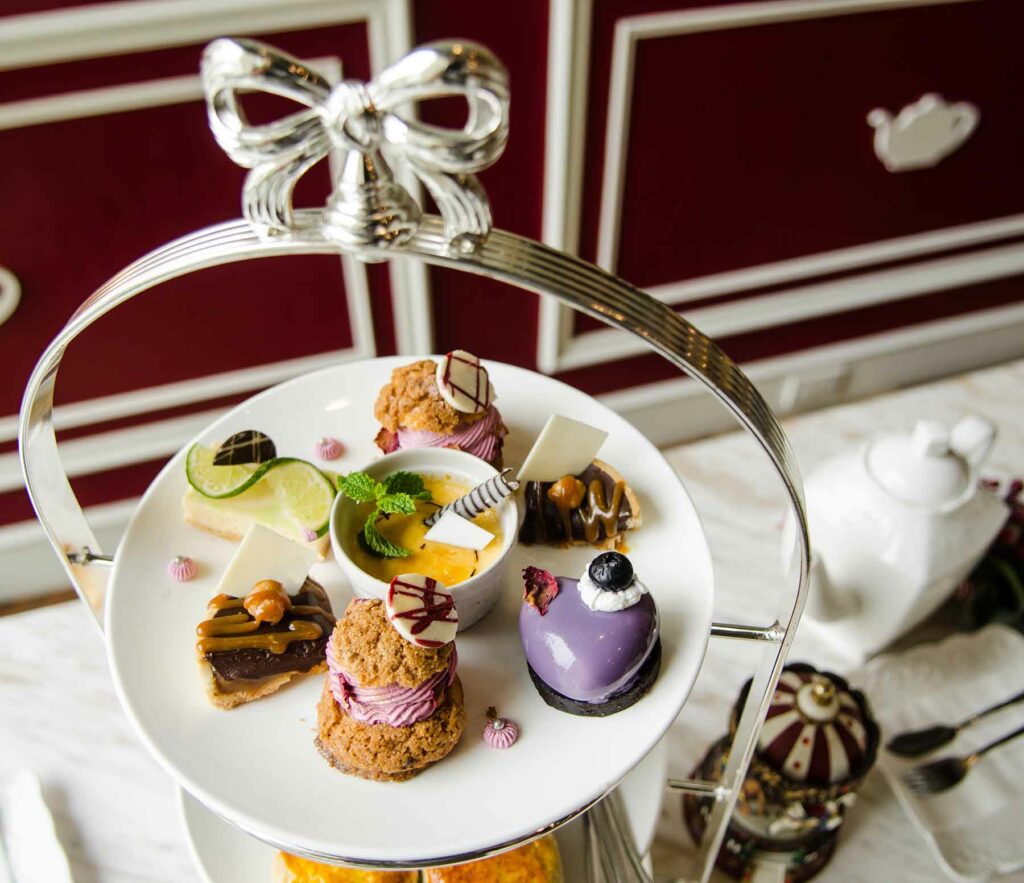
pixel 972 438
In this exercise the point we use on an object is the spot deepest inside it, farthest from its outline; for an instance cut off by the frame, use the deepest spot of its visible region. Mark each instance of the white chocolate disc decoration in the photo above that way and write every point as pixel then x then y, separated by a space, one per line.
pixel 422 610
pixel 463 382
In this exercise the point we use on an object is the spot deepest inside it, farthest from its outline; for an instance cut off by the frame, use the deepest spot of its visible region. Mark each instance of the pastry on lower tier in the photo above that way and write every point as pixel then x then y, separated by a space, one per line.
pixel 392 704
pixel 251 647
pixel 290 868
pixel 536 862
pixel 592 645
pixel 596 507
pixel 447 405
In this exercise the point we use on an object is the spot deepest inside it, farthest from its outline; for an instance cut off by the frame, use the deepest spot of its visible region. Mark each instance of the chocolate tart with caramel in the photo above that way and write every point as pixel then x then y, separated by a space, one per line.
pixel 250 647
pixel 595 507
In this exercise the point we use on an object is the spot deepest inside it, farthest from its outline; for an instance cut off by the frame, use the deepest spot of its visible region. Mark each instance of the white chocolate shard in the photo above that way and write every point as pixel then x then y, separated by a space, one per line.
pixel 453 530
pixel 483 497
pixel 265 554
pixel 564 447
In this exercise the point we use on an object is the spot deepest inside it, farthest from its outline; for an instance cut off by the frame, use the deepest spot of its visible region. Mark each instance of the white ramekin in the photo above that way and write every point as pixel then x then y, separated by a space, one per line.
pixel 476 596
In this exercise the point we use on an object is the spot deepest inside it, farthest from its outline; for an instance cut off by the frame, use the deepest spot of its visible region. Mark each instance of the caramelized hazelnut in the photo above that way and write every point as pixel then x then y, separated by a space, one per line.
pixel 267 602
pixel 569 491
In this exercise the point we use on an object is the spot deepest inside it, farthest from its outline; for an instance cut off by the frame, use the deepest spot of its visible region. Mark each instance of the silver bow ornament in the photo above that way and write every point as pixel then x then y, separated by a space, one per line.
pixel 368 210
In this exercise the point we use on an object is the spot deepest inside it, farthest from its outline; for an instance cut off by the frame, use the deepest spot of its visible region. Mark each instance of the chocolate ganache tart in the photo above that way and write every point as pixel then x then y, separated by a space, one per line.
pixel 250 647
pixel 594 507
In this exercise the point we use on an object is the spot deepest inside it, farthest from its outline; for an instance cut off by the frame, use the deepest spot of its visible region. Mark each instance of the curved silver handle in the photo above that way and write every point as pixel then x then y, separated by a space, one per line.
pixel 504 256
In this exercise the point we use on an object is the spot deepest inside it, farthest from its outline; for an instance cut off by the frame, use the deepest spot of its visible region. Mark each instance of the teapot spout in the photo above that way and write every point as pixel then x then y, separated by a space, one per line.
pixel 826 603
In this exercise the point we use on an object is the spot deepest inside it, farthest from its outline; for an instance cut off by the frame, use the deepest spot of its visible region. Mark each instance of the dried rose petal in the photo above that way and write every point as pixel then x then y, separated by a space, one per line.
pixel 540 588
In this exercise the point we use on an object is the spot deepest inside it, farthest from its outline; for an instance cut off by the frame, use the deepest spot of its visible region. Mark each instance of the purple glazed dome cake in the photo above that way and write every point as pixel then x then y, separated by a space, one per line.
pixel 592 645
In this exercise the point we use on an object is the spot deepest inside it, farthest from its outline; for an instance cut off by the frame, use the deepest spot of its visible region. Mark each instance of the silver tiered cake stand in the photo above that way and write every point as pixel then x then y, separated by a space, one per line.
pixel 372 216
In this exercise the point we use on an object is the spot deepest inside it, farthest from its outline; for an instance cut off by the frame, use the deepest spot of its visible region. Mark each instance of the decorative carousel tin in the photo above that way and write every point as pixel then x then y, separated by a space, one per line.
pixel 817 744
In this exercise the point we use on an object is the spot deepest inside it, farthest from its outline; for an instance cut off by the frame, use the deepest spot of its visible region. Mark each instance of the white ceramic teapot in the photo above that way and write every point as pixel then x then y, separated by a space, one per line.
pixel 896 524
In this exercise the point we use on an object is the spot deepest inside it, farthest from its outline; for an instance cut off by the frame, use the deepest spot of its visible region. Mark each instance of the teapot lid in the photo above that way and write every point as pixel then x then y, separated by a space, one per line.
pixel 919 467
pixel 816 729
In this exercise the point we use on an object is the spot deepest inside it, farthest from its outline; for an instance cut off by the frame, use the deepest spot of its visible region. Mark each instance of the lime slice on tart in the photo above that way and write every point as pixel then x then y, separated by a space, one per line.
pixel 219 482
pixel 303 491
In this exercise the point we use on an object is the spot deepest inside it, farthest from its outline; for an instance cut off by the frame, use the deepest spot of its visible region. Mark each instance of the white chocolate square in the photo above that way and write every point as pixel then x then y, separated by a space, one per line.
pixel 265 554
pixel 564 447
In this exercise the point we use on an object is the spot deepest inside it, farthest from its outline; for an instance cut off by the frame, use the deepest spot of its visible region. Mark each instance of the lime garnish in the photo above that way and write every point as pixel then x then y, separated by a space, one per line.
pixel 303 491
pixel 219 482
pixel 396 495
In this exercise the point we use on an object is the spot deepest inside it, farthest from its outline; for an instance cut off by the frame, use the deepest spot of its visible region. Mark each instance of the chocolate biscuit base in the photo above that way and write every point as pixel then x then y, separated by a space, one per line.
pixel 383 753
pixel 233 677
pixel 645 679
pixel 543 525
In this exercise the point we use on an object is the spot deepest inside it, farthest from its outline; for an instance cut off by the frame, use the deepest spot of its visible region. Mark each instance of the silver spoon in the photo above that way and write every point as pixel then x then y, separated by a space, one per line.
pixel 918 742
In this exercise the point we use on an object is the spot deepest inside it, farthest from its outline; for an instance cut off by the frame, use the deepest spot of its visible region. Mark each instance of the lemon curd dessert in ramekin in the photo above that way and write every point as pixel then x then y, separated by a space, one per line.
pixel 448 564
pixel 472 576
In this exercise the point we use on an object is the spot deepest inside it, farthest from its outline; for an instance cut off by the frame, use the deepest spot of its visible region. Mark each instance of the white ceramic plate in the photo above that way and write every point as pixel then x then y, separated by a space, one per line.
pixel 973 829
pixel 256 765
pixel 226 854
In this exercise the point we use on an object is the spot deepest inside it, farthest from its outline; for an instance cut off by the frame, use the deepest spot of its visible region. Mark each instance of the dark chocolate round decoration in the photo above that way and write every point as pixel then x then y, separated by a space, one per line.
pixel 247 446
pixel 611 571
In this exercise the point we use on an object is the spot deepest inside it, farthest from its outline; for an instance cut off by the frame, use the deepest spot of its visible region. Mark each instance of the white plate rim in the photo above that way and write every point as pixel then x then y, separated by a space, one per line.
pixel 244 820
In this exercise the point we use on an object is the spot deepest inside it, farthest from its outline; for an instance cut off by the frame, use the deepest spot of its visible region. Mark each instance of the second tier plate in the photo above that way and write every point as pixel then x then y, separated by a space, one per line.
pixel 257 765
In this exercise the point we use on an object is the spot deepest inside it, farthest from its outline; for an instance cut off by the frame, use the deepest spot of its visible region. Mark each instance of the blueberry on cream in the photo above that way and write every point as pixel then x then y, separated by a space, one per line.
pixel 609 584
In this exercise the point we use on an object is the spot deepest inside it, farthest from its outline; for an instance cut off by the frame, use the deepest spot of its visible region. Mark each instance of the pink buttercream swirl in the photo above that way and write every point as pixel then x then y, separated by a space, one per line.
pixel 483 438
pixel 392 705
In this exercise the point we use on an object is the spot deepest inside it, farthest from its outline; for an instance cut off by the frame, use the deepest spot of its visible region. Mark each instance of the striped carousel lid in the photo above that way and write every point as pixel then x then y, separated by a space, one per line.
pixel 815 729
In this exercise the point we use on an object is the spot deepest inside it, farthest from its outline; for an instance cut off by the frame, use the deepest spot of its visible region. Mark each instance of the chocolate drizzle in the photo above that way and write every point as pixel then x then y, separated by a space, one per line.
pixel 590 507
pixel 238 647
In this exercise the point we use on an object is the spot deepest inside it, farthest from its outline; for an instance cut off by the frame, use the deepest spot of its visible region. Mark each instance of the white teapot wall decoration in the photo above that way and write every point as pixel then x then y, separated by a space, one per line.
pixel 896 524
pixel 923 133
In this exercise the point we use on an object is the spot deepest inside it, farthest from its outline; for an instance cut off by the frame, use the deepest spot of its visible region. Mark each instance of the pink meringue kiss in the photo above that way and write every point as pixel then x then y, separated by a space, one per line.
pixel 181 569
pixel 309 534
pixel 328 448
pixel 501 733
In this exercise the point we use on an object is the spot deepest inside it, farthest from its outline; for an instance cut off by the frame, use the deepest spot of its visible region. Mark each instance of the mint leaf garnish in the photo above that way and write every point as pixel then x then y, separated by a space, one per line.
pixel 358 486
pixel 396 495
pixel 404 483
pixel 380 543
pixel 401 504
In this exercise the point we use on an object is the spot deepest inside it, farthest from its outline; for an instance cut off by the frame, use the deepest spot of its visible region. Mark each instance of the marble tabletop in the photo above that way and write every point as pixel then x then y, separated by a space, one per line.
pixel 115 809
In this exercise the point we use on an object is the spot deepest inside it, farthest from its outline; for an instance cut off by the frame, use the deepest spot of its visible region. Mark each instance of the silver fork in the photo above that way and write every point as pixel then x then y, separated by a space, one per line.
pixel 931 778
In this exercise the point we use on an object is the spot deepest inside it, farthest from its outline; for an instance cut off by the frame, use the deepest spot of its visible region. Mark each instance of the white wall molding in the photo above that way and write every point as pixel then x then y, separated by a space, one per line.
pixel 559 348
pixel 676 410
pixel 810 301
pixel 105 451
pixel 183 392
pixel 107 29
pixel 119 28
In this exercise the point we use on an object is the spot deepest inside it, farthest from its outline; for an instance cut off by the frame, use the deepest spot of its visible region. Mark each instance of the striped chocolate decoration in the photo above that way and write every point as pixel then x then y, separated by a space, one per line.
pixel 483 497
